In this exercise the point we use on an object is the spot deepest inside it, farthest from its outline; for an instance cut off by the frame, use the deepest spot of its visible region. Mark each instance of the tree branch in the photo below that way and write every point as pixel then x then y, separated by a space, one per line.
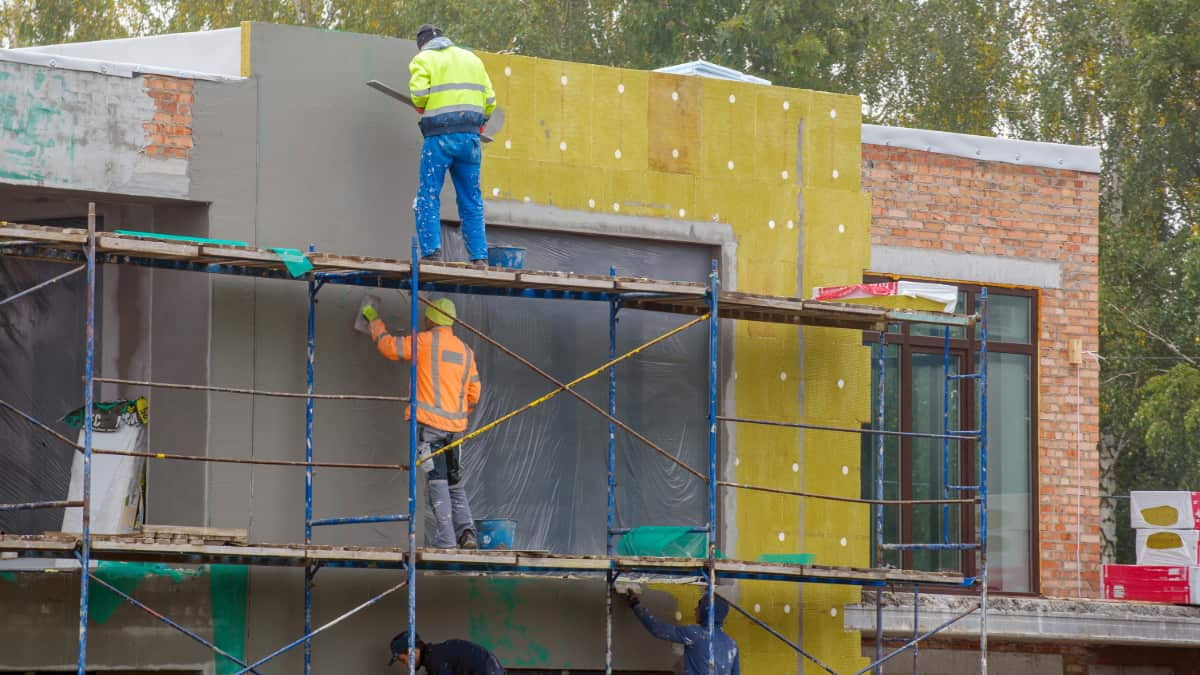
pixel 1169 345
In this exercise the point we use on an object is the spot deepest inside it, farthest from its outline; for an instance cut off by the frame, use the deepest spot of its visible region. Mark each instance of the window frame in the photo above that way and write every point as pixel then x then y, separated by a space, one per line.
pixel 963 349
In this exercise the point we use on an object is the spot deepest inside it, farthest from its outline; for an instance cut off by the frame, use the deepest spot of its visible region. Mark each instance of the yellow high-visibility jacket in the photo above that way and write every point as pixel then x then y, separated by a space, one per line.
pixel 450 88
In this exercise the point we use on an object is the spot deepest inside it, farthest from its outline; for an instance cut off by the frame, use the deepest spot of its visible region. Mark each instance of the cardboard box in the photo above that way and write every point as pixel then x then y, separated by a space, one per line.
pixel 1177 584
pixel 1163 509
pixel 1168 547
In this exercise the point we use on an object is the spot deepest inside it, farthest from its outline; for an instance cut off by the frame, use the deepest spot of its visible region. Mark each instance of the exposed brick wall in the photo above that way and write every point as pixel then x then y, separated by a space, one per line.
pixel 169 133
pixel 943 202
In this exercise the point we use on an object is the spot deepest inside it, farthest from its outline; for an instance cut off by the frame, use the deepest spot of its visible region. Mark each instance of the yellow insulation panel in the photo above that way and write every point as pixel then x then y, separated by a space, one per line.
pixel 650 144
pixel 619 121
pixel 673 123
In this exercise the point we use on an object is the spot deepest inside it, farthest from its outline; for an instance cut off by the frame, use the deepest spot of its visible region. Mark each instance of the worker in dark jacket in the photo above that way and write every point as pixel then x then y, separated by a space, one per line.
pixel 695 638
pixel 451 90
pixel 452 657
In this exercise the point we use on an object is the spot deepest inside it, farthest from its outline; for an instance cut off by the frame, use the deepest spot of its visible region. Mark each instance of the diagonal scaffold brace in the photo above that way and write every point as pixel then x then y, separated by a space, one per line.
pixel 324 627
pixel 568 388
pixel 163 618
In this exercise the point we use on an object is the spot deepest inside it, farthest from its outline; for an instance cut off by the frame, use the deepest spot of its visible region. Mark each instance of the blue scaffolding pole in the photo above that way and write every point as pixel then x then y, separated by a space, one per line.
pixel 614 306
pixel 414 320
pixel 983 482
pixel 88 384
pixel 310 569
pixel 880 374
pixel 980 377
pixel 714 285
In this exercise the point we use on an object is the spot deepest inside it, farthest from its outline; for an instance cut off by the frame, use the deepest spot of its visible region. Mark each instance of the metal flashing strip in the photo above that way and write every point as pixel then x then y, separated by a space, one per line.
pixel 703 68
pixel 113 68
pixel 1085 158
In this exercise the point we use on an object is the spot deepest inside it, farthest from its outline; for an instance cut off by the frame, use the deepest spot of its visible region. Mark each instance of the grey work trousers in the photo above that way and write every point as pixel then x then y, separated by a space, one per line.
pixel 445 489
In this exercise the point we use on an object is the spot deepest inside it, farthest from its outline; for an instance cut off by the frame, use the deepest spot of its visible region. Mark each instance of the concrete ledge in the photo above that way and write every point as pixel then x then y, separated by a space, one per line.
pixel 1029 153
pixel 217 52
pixel 992 269
pixel 535 217
pixel 1037 620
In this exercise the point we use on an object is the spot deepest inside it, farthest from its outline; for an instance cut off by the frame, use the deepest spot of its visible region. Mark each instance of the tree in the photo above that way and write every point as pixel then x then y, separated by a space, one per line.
pixel 1150 244
pixel 33 22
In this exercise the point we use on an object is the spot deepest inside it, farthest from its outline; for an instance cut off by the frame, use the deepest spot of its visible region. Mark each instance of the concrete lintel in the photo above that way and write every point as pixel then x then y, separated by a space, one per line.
pixel 991 269
pixel 1044 620
pixel 112 68
pixel 1084 158
pixel 536 217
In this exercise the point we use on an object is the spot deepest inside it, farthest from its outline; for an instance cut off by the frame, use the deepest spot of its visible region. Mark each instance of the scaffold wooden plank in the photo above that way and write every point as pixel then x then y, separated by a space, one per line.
pixel 63 545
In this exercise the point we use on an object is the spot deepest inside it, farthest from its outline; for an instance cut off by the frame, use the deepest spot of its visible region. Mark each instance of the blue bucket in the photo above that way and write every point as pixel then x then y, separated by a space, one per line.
pixel 496 533
pixel 512 257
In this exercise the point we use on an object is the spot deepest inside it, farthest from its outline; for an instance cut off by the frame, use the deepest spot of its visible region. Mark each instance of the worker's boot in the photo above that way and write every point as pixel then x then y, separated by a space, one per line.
pixel 436 256
pixel 479 262
pixel 467 540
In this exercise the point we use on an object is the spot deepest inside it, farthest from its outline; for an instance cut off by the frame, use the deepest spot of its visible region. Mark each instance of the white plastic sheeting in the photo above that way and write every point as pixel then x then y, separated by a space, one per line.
pixel 547 468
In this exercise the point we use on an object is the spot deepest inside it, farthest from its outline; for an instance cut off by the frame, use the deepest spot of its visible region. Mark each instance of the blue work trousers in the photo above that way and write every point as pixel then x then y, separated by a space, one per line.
pixel 460 155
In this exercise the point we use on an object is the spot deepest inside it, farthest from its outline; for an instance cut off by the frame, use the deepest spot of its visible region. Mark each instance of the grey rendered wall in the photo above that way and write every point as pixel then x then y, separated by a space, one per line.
pixel 41 627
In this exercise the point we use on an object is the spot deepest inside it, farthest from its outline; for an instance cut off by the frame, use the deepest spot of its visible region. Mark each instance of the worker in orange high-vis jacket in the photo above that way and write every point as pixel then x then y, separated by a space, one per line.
pixel 448 388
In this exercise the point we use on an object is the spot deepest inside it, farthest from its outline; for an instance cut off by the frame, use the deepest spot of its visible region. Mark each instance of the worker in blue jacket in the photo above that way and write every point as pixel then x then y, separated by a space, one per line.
pixel 695 638
pixel 452 657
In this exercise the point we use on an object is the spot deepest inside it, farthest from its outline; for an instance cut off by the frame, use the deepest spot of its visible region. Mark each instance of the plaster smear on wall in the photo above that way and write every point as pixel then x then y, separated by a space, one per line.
pixel 80 130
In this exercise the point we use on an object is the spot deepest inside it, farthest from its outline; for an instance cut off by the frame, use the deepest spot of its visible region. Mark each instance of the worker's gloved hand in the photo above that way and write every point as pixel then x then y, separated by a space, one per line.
pixel 483 128
pixel 369 313
pixel 632 599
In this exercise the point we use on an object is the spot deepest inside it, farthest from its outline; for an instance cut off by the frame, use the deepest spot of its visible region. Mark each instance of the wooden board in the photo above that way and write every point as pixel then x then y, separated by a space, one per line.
pixel 227 534
pixel 42 233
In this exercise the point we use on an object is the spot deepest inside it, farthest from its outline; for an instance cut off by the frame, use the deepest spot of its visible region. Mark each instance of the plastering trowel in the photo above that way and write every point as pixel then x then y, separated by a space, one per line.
pixel 360 322
pixel 494 125
pixel 623 587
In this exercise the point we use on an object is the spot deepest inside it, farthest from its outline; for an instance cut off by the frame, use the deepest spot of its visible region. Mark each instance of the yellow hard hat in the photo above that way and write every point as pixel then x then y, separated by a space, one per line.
pixel 444 314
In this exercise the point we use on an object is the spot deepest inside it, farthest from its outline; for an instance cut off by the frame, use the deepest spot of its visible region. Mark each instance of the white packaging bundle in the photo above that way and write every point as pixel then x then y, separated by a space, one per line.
pixel 1167 547
pixel 116 482
pixel 1174 510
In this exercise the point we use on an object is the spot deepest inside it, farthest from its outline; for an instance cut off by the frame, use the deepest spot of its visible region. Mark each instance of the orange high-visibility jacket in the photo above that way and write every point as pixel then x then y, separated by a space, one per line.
pixel 448 383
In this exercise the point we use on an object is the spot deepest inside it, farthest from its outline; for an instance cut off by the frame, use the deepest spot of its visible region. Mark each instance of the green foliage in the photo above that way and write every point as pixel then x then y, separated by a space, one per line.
pixel 192 15
pixel 32 22
pixel 1169 418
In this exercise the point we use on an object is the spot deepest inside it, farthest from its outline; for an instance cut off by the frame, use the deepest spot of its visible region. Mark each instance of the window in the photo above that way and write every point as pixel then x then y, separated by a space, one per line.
pixel 916 363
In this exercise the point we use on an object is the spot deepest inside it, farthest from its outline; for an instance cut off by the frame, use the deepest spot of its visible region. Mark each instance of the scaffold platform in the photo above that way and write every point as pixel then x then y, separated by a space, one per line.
pixel 66 245
pixel 539 563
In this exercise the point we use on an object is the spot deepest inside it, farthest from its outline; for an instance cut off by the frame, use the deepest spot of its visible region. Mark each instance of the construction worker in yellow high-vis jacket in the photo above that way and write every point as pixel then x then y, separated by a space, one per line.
pixel 451 90
pixel 448 387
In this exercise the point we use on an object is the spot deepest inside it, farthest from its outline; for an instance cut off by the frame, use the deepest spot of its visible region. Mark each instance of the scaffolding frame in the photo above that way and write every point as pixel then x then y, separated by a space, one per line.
pixel 705 302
